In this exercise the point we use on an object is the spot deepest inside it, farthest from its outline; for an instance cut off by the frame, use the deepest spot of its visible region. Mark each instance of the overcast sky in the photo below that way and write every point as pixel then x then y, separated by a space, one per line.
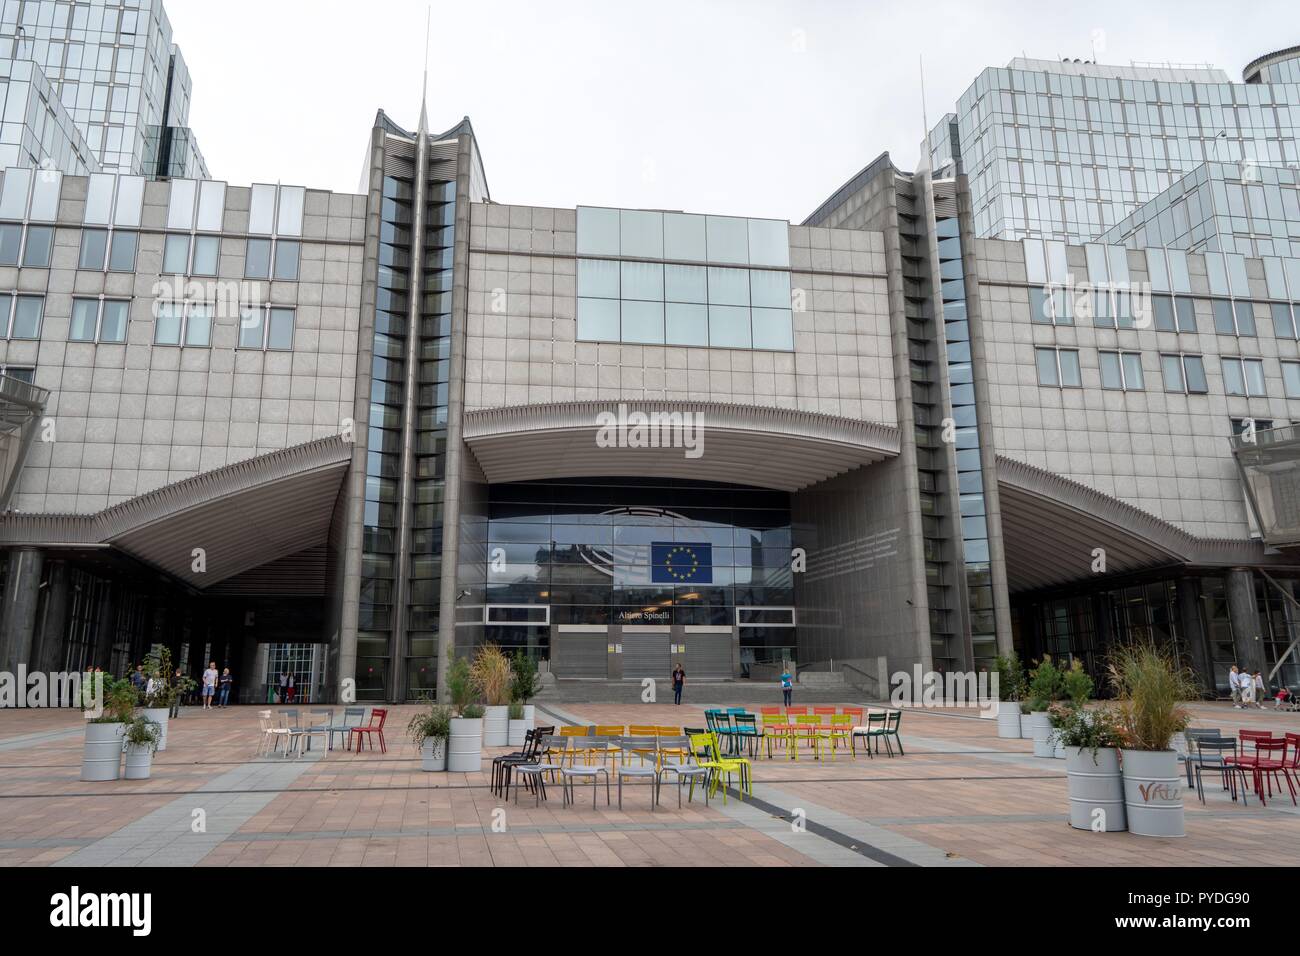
pixel 755 107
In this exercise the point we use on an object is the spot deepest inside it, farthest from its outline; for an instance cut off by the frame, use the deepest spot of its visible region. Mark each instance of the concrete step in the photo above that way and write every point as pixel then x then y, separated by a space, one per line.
pixel 697 691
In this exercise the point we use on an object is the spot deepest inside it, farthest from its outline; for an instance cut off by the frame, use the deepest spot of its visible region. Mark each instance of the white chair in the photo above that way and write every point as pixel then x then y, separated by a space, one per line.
pixel 319 725
pixel 272 731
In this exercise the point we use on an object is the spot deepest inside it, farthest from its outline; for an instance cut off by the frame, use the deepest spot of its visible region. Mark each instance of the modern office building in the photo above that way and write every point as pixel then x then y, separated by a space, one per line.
pixel 95 86
pixel 353 435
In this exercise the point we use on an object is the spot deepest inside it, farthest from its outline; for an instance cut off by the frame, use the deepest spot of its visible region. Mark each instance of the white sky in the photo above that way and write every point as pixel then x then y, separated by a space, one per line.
pixel 751 107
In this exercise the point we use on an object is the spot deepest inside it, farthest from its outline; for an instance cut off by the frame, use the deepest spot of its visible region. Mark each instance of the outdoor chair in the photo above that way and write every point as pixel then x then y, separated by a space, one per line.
pixel 293 732
pixel 1193 734
pixel 534 774
pixel 352 717
pixel 500 779
pixel 746 732
pixel 636 747
pixel 373 729
pixel 319 720
pixel 871 730
pixel 841 731
pixel 271 731
pixel 807 728
pixel 676 758
pixel 1218 755
pixel 587 748
pixel 777 730
pixel 1271 766
pixel 893 719
pixel 723 769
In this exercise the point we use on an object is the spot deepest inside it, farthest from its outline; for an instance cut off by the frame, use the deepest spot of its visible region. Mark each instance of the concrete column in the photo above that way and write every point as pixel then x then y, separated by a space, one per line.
pixel 48 642
pixel 18 614
pixel 1244 614
pixel 1193 631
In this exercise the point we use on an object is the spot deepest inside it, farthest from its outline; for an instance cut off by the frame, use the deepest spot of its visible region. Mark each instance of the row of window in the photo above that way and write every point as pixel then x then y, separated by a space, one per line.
pixel 1179 371
pixel 105 320
pixel 1117 309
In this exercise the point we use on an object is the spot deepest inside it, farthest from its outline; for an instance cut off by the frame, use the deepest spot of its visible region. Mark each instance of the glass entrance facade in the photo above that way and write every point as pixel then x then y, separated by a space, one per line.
pixel 636 551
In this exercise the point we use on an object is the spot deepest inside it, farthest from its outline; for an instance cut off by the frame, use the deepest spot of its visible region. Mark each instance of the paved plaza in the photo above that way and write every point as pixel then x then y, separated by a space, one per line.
pixel 960 797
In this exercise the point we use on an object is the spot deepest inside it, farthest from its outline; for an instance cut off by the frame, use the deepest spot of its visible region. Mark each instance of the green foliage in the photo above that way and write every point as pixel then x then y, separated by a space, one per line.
pixel 460 685
pixel 1011 677
pixel 516 711
pixel 1152 685
pixel 473 711
pixel 1076 684
pixel 1045 685
pixel 1090 729
pixel 431 724
pixel 142 732
pixel 523 677
pixel 119 700
pixel 158 667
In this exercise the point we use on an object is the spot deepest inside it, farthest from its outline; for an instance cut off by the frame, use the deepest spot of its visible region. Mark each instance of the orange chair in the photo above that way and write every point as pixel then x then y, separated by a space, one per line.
pixel 643 730
pixel 824 712
pixel 669 731
pixel 796 711
pixel 854 712
pixel 765 711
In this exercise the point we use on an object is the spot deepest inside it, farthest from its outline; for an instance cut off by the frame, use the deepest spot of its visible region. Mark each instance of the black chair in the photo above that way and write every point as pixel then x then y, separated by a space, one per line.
pixel 1218 755
pixel 1193 734
pixel 502 766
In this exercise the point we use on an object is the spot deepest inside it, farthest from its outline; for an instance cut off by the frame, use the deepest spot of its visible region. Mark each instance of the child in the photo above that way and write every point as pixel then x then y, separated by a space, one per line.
pixel 1281 698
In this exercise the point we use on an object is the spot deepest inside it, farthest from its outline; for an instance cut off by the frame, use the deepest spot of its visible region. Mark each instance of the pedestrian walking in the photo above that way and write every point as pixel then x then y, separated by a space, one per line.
pixel 209 684
pixel 679 682
pixel 1234 686
pixel 1260 690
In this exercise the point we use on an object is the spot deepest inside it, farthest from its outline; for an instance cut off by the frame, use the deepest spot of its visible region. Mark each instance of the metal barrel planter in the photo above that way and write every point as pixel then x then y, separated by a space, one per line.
pixel 496 729
pixel 465 746
pixel 139 761
pixel 1041 730
pixel 1096 789
pixel 159 716
pixel 1026 727
pixel 433 754
pixel 102 756
pixel 1153 793
pixel 1009 719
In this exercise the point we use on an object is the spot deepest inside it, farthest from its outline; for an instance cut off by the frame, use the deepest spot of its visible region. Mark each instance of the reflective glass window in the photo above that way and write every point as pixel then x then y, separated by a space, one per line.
pixel 112 324
pixel 769 289
pixel 94 246
pixel 598 231
pixel 167 325
pixel 728 286
pixel 769 242
pixel 729 326
pixel 280 333
pixel 286 260
pixel 598 278
pixel 641 233
pixel 257 260
pixel 198 325
pixel 598 319
pixel 728 239
pixel 176 255
pixel 206 254
pixel 684 237
pixel 643 322
pixel 773 329
pixel 686 324
pixel 36 253
pixel 686 283
pixel 85 316
pixel 11 242
pixel 642 280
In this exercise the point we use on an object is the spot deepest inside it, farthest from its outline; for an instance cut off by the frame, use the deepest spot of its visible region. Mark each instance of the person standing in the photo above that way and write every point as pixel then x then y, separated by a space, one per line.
pixel 787 687
pixel 138 679
pixel 679 682
pixel 178 679
pixel 1260 690
pixel 291 687
pixel 1247 685
pixel 1234 686
pixel 226 681
pixel 283 697
pixel 209 684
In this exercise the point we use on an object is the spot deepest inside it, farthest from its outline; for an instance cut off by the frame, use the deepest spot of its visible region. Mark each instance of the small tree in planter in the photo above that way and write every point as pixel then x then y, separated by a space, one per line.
pixel 490 673
pixel 1152 685
pixel 159 691
pixel 429 731
pixel 523 685
pixel 139 741
pixel 1044 688
pixel 465 743
pixel 1011 686
pixel 102 751
pixel 1075 690
pixel 1091 739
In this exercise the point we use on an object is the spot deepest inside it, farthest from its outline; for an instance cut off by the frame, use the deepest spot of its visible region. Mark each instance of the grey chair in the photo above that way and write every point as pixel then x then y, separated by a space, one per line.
pixel 587 746
pixel 345 729
pixel 685 769
pixel 639 748
pixel 1193 734
pixel 1218 755
pixel 320 721
pixel 291 727
pixel 549 760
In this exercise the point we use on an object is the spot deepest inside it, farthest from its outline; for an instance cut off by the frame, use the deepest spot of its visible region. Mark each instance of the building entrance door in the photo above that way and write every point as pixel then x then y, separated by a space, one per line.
pixel 580 651
pixel 645 652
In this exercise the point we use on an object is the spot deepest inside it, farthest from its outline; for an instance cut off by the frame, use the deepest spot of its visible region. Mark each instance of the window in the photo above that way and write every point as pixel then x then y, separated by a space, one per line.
pixel 1121 370
pixel 1058 367
pixel 271 327
pixel 36 252
pixel 167 324
pixel 1256 425
pixel 1291 379
pixel 1233 318
pixel 207 250
pixel 94 247
pixel 1283 325
pixel 19 373
pixel 198 324
pixel 121 254
pixel 98 320
pixel 1243 377
pixel 176 255
pixel 257 259
pixel 1186 311
pixel 286 260
pixel 597 320
pixel 1183 373
pixel 11 242
pixel 1162 307
pixel 25 313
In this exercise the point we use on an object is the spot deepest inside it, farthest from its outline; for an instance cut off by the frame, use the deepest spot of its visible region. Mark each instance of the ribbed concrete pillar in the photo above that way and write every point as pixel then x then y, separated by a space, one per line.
pixel 48 641
pixel 1244 614
pixel 18 613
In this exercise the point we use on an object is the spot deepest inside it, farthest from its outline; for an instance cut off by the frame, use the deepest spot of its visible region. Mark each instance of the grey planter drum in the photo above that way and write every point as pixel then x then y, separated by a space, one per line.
pixel 1025 731
pixel 1095 784
pixel 1009 719
pixel 1040 730
pixel 433 754
pixel 1153 792
pixel 496 729
pixel 159 716
pixel 516 732
pixel 1058 746
pixel 465 746
pixel 139 761
pixel 101 758
pixel 530 715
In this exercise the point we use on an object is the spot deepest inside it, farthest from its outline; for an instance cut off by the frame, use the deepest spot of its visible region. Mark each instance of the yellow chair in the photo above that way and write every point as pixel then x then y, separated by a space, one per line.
pixel 611 749
pixel 720 766
pixel 808 728
pixel 574 751
pixel 776 728
pixel 841 731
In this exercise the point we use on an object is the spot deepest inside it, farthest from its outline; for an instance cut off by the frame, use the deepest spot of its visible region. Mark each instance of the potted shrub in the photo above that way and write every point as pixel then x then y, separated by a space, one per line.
pixel 465 740
pixel 429 731
pixel 1044 688
pixel 1011 681
pixel 523 684
pixel 1151 684
pixel 102 752
pixel 490 675
pixel 139 741
pixel 1076 689
pixel 159 692
pixel 1091 739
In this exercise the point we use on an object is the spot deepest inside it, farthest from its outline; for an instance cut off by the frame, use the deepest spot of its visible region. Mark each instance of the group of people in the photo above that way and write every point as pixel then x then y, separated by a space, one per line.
pixel 215 685
pixel 679 684
pixel 1247 689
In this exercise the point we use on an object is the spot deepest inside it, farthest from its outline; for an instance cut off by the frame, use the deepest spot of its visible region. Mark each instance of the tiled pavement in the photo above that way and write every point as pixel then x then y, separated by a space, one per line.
pixel 960 797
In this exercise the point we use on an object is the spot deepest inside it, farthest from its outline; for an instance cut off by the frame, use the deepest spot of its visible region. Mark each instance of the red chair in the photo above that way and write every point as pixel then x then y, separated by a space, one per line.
pixel 769 710
pixel 796 711
pixel 1270 760
pixel 368 730
pixel 1292 770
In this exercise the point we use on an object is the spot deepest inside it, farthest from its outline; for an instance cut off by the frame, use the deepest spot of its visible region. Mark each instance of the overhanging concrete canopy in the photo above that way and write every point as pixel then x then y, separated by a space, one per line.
pixel 1052 524
pixel 742 444
pixel 242 516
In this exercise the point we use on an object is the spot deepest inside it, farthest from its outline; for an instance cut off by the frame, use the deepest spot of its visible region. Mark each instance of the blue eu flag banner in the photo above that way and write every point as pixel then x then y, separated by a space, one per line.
pixel 681 563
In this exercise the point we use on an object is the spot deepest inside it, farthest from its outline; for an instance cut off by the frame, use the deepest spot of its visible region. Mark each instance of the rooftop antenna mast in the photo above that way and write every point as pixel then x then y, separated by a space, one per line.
pixel 925 117
pixel 424 84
